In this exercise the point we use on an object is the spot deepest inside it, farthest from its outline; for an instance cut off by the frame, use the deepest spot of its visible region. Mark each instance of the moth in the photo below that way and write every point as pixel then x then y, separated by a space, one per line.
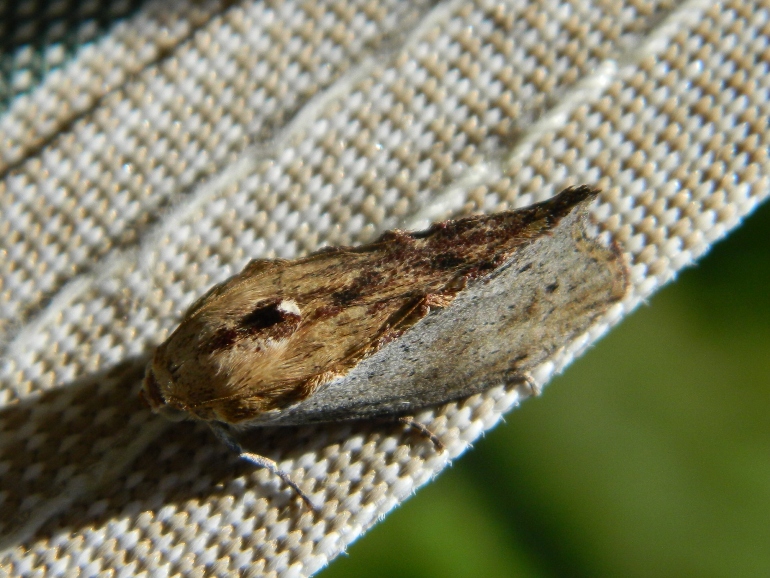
pixel 411 320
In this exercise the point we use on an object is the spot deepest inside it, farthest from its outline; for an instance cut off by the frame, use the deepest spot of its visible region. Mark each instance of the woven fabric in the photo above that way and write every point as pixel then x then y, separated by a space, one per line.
pixel 192 137
pixel 37 38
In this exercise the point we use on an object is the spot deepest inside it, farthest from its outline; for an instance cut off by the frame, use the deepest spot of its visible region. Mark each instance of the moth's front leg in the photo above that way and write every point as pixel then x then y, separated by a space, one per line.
pixel 223 433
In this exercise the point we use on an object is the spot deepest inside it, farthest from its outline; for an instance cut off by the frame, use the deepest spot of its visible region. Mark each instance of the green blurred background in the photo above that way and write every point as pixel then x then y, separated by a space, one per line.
pixel 649 456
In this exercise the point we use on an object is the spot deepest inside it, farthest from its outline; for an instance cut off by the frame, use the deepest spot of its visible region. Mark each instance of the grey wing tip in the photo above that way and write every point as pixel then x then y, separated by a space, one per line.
pixel 571 199
pixel 576 194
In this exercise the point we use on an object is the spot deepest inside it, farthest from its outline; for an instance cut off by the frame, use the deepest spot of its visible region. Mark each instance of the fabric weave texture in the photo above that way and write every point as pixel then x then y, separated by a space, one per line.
pixel 173 141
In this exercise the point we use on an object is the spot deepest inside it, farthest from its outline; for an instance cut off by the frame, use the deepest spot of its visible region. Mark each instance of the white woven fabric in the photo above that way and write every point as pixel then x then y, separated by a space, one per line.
pixel 193 137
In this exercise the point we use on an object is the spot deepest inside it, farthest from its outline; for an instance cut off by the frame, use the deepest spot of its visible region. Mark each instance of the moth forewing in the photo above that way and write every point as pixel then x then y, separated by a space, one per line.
pixel 411 320
pixel 498 329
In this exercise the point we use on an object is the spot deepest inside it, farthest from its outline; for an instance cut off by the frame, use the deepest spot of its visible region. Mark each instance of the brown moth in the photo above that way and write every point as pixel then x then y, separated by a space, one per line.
pixel 408 321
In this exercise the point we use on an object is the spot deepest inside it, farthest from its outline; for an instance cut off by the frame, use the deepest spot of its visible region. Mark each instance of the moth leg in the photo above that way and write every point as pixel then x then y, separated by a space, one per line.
pixel 527 380
pixel 224 435
pixel 534 388
pixel 423 430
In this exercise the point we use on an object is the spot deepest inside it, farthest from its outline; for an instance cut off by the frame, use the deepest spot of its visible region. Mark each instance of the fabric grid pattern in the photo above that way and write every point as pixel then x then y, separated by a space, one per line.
pixel 192 137
pixel 39 37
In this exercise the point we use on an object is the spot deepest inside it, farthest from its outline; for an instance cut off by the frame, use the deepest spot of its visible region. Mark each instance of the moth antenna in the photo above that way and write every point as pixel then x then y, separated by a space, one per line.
pixel 226 437
pixel 423 430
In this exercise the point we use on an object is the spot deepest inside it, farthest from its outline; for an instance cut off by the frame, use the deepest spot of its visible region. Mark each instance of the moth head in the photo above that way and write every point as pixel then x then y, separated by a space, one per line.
pixel 191 376
pixel 151 393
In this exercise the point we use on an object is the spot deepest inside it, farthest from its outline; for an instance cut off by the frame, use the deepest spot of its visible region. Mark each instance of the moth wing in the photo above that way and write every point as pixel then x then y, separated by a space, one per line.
pixel 271 335
pixel 294 367
pixel 496 331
